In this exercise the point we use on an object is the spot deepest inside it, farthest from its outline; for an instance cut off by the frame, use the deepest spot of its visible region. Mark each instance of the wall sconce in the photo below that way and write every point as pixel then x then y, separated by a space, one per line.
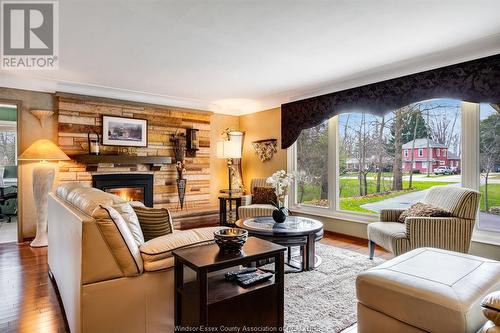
pixel 41 115
pixel 265 149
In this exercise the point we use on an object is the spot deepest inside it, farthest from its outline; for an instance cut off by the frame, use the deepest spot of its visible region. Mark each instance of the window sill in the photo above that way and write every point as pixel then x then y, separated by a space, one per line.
pixel 327 213
pixel 485 237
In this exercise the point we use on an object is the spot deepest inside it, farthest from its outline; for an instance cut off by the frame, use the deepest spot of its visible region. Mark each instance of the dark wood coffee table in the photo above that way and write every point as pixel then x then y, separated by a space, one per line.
pixel 210 301
pixel 295 231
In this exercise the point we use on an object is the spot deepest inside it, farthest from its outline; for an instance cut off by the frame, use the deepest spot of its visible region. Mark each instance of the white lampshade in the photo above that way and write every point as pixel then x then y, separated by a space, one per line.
pixel 228 149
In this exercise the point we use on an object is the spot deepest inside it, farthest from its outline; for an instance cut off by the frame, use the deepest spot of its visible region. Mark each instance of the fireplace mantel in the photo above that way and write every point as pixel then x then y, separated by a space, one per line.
pixel 91 161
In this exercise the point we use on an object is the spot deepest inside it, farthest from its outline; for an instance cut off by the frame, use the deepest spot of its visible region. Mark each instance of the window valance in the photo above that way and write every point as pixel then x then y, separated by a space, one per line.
pixel 476 81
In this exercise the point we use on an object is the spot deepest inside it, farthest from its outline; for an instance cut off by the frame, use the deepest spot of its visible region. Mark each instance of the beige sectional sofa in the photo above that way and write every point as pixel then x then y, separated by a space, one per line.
pixel 107 279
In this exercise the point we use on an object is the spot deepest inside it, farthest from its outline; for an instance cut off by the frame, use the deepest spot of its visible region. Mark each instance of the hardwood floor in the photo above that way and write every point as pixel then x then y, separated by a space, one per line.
pixel 356 244
pixel 28 298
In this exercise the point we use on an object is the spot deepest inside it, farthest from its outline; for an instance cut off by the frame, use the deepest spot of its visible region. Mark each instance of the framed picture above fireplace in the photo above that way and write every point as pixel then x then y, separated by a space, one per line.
pixel 121 131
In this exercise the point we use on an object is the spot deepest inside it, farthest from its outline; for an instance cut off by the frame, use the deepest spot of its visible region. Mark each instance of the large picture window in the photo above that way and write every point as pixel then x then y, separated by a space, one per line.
pixel 379 162
pixel 8 137
pixel 356 164
pixel 312 171
pixel 383 160
pixel 489 158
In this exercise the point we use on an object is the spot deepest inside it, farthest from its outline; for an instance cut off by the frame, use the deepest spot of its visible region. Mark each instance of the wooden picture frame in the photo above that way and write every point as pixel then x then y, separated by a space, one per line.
pixel 123 131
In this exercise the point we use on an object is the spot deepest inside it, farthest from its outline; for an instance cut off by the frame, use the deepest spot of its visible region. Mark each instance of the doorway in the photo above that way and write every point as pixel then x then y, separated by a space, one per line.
pixel 8 173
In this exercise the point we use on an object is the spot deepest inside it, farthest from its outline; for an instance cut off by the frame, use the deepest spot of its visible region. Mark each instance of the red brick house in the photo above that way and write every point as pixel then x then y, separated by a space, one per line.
pixel 440 156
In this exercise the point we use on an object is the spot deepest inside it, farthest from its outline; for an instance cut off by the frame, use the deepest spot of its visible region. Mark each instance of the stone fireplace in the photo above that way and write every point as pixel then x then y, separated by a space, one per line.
pixel 78 115
pixel 128 186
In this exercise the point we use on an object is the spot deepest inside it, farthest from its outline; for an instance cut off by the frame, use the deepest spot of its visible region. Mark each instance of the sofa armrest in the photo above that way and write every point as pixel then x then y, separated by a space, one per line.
pixel 449 233
pixel 390 215
pixel 246 200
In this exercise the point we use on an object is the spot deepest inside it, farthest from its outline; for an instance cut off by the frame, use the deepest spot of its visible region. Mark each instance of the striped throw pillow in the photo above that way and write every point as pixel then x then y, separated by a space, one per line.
pixel 155 222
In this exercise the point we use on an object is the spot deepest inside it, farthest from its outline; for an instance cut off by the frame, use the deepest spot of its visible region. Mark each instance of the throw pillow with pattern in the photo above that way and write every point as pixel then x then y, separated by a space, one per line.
pixel 155 222
pixel 421 209
pixel 491 307
pixel 263 195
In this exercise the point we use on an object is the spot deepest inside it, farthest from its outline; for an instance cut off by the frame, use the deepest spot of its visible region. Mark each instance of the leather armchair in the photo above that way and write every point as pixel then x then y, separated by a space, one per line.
pixel 449 233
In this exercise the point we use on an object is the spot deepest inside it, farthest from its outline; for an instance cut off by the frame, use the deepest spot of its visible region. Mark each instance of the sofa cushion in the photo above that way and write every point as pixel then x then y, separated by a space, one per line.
pixel 89 201
pixel 154 222
pixel 157 252
pixel 129 215
pixel 421 209
pixel 64 189
pixel 263 195
pixel 121 242
pixel 491 307
pixel 431 289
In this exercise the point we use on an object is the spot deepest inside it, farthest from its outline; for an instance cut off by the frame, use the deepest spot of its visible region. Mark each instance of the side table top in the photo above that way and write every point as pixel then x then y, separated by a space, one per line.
pixel 210 255
pixel 230 196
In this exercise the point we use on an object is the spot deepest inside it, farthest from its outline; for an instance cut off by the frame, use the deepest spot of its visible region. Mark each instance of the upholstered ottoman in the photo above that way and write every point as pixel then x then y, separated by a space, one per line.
pixel 426 290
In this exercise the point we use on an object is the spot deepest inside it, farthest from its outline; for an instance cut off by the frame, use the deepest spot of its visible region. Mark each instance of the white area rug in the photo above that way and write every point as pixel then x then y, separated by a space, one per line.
pixel 324 300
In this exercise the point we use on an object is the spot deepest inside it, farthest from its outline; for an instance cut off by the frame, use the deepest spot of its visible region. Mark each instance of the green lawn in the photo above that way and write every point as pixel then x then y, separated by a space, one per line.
pixel 351 201
pixel 493 195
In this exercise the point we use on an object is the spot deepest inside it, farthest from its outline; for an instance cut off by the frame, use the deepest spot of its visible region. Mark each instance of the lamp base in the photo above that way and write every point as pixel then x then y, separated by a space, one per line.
pixel 43 178
pixel 41 240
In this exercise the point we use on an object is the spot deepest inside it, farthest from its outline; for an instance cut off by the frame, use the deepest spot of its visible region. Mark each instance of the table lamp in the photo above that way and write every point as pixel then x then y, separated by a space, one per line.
pixel 44 151
pixel 229 150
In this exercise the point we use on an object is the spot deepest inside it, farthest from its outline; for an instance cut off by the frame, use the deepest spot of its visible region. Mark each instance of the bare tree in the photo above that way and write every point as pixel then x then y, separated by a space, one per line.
pixel 489 146
pixel 496 107
pixel 380 165
pixel 417 113
pixel 488 166
pixel 362 156
pixel 7 148
pixel 397 179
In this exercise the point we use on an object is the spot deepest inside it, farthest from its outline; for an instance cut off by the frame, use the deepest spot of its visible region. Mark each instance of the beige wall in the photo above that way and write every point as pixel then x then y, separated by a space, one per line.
pixel 30 130
pixel 258 126
pixel 219 123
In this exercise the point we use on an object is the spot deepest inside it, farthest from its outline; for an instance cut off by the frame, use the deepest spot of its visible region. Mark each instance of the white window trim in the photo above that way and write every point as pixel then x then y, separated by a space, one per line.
pixel 405 153
pixel 438 152
pixel 333 175
pixel 421 152
pixel 470 166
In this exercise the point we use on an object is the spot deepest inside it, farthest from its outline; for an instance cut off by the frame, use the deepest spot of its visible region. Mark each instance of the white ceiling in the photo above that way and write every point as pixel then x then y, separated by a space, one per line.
pixel 235 56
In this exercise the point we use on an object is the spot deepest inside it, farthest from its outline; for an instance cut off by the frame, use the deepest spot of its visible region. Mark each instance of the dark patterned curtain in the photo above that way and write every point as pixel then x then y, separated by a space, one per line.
pixel 476 81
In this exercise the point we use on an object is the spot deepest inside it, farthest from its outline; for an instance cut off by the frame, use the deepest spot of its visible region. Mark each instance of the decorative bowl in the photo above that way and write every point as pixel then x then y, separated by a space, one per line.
pixel 230 239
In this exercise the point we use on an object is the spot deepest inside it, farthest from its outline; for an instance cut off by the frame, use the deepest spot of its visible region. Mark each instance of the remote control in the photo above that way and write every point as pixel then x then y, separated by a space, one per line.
pixel 231 276
pixel 257 279
pixel 243 277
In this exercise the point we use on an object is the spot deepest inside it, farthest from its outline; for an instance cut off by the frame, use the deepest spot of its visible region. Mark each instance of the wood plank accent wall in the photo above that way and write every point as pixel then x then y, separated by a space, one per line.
pixel 77 115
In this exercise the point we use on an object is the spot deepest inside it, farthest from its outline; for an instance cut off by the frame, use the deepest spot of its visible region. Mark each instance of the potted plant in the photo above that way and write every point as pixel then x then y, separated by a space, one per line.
pixel 280 181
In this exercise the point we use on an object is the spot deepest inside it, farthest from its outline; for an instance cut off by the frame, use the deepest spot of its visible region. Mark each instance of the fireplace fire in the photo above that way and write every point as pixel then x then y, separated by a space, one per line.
pixel 129 186
pixel 128 193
